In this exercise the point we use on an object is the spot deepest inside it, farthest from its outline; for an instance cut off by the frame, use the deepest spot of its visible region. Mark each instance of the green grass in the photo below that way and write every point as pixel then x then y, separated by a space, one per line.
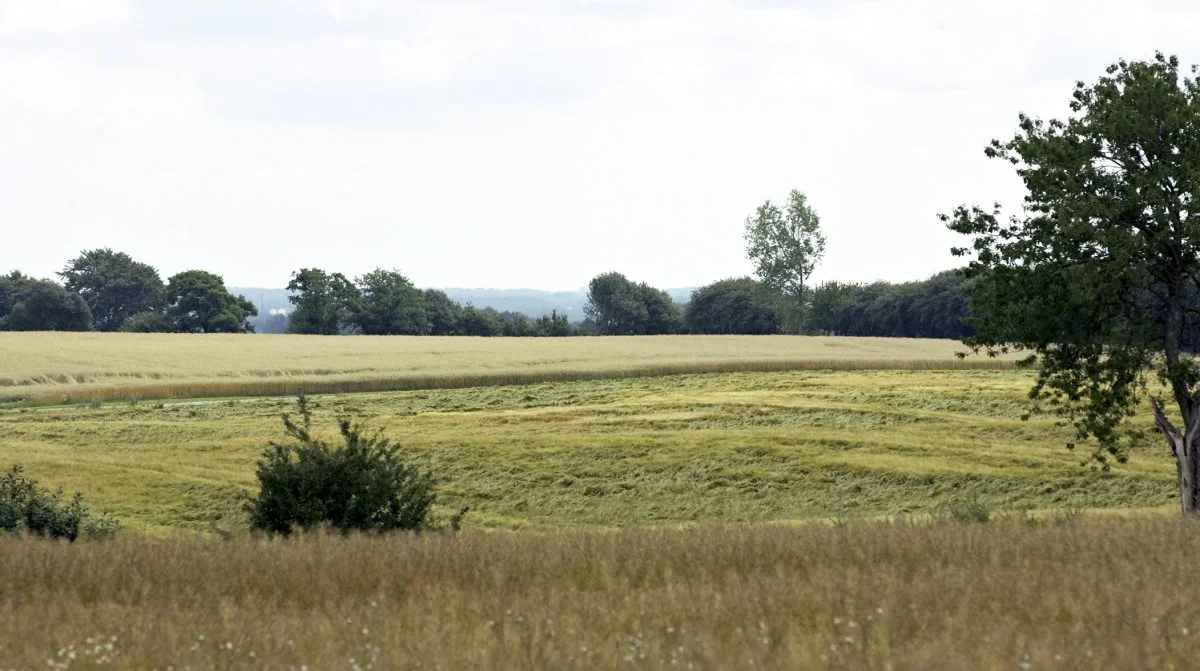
pixel 609 453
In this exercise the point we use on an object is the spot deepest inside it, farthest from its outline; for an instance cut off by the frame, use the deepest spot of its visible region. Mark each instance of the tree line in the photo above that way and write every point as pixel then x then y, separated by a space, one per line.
pixel 105 290
pixel 385 302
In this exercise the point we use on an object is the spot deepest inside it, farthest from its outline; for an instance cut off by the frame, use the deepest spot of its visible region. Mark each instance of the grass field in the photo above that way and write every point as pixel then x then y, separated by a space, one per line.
pixel 42 368
pixel 1090 593
pixel 628 487
pixel 609 453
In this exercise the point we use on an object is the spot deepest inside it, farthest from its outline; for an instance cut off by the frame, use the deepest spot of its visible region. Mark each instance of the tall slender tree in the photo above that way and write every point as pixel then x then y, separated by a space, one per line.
pixel 785 246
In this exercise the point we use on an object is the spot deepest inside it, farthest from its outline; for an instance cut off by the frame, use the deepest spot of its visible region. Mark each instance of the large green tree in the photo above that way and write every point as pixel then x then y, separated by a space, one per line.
pixel 28 304
pixel 619 306
pixel 738 305
pixel 442 313
pixel 482 322
pixel 785 245
pixel 324 302
pixel 1097 278
pixel 114 286
pixel 198 302
pixel 389 304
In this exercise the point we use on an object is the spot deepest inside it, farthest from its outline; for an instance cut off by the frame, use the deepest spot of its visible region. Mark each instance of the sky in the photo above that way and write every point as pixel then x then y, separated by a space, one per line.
pixel 526 143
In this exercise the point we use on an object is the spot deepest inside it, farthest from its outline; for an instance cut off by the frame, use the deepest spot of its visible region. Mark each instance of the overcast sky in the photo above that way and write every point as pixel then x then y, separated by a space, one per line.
pixel 525 143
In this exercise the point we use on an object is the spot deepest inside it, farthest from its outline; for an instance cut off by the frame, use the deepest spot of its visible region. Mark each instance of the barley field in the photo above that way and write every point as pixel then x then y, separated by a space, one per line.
pixel 670 450
pixel 1062 593
pixel 675 503
pixel 55 368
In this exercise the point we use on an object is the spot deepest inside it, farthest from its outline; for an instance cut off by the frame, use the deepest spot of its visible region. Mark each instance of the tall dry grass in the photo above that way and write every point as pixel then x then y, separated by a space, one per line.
pixel 1088 593
pixel 82 367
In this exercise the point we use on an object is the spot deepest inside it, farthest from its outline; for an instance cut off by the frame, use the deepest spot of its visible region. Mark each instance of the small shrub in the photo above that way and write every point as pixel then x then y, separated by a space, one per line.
pixel 148 322
pixel 27 509
pixel 969 511
pixel 362 485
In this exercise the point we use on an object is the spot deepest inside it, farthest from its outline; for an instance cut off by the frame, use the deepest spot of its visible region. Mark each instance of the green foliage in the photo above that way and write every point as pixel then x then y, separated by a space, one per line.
pixel 934 308
pixel 197 302
pixel 785 245
pixel 619 306
pixel 148 322
pixel 27 304
pixel 26 508
pixel 740 306
pixel 973 510
pixel 1097 278
pixel 483 322
pixel 518 326
pixel 442 313
pixel 389 304
pixel 323 302
pixel 364 485
pixel 552 325
pixel 114 286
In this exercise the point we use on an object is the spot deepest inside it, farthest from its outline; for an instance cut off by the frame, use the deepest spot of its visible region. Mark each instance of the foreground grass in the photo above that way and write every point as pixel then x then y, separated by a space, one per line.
pixel 51 368
pixel 1088 594
pixel 666 451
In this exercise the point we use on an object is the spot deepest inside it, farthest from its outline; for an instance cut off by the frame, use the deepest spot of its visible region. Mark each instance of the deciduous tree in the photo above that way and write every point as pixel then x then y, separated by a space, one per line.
pixel 1097 278
pixel 198 302
pixel 323 302
pixel 114 286
pixel 389 304
pixel 619 306
pixel 785 246
pixel 28 304
pixel 740 305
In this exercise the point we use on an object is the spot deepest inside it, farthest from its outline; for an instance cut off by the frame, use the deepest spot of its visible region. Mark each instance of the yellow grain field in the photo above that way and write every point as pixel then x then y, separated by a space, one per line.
pixel 79 367
pixel 1083 593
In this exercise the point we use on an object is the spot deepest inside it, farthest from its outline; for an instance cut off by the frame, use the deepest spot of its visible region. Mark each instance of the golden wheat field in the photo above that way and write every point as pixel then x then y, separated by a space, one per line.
pixel 1064 593
pixel 79 367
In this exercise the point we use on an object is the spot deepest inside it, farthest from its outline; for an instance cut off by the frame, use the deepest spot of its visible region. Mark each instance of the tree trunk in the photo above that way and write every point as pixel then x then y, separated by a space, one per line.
pixel 1185 447
pixel 800 311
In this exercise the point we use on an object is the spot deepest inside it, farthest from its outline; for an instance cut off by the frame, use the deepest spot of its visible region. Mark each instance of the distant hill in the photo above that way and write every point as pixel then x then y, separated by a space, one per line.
pixel 532 302
pixel 265 299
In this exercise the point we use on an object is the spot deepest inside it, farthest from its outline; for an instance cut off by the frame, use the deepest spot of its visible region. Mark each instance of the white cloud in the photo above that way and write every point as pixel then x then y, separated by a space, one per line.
pixel 36 19
pixel 524 142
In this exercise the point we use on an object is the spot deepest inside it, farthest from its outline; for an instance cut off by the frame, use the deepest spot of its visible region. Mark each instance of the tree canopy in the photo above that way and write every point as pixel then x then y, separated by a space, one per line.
pixel 785 245
pixel 389 304
pixel 198 302
pixel 323 302
pixel 1097 278
pixel 619 306
pixel 933 308
pixel 28 304
pixel 737 305
pixel 114 286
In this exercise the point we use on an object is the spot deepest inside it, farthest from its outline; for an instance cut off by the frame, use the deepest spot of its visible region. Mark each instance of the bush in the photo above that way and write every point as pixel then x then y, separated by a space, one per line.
pixel 148 322
pixel 26 508
pixel 973 510
pixel 364 485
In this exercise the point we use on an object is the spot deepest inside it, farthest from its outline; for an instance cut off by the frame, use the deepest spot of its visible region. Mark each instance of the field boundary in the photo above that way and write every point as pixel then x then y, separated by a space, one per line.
pixel 66 394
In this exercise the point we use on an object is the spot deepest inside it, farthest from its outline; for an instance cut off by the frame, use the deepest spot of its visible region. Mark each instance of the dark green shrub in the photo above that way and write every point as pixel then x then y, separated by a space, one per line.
pixel 972 510
pixel 148 322
pixel 362 485
pixel 26 508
